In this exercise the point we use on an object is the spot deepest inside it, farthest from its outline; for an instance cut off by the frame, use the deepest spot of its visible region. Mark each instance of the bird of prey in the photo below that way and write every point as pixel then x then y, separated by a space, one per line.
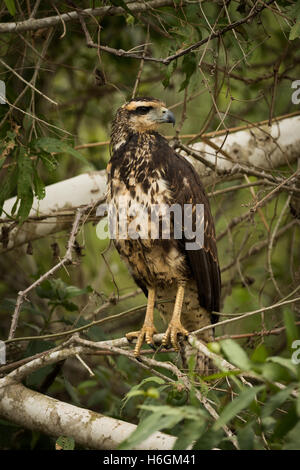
pixel 145 170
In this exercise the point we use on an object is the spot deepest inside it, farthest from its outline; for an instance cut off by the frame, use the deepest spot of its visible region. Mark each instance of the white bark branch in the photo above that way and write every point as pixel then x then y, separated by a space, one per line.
pixel 262 147
pixel 42 413
pixel 253 149
pixel 85 347
pixel 56 209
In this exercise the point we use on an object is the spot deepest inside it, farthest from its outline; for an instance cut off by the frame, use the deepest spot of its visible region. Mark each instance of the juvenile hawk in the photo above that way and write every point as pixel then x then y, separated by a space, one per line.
pixel 145 170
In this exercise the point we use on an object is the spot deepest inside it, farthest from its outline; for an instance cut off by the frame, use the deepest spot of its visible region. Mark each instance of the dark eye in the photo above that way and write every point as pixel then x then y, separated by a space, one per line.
pixel 143 109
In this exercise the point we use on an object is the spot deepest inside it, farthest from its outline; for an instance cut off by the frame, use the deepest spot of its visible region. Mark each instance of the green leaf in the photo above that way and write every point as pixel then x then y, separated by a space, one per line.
pixel 237 405
pixel 65 443
pixel 162 417
pixel 8 185
pixel 293 438
pixel 246 437
pixel 283 361
pixel 10 4
pixel 209 440
pixel 49 161
pixel 58 291
pixel 73 291
pixel 187 412
pixel 192 430
pixel 14 207
pixel 276 400
pixel 25 192
pixel 260 354
pixel 235 354
pixel 39 186
pixel 295 32
pixel 151 424
pixel 87 384
pixel 274 372
pixel 189 66
pixel 52 145
pixel 168 73
pixel 286 423
pixel 135 391
pixel 70 306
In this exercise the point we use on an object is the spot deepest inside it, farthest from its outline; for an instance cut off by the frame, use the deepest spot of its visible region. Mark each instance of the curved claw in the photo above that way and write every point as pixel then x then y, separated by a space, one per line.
pixel 132 335
pixel 171 335
pixel 144 335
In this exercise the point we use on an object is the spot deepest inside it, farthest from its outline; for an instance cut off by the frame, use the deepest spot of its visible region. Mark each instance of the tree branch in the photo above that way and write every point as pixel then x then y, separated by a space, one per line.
pixel 50 21
pixel 45 414
pixel 255 150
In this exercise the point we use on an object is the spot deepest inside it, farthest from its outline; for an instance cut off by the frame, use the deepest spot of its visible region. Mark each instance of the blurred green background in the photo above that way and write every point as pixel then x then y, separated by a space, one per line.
pixel 235 80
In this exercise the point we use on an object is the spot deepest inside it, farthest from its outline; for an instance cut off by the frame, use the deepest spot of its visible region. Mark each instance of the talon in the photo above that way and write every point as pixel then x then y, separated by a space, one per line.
pixel 132 335
pixel 144 335
pixel 172 333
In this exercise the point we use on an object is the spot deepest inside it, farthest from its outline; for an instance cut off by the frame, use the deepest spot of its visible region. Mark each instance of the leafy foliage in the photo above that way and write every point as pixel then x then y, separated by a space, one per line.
pixel 255 413
pixel 24 163
pixel 242 76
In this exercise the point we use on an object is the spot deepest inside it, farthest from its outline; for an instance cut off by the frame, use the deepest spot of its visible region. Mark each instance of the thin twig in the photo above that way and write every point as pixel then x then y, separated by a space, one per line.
pixel 140 71
pixel 27 83
pixel 248 314
pixel 65 260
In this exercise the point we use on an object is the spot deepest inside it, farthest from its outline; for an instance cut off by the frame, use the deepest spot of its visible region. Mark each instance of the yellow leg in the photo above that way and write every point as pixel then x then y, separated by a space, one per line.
pixel 175 327
pixel 148 328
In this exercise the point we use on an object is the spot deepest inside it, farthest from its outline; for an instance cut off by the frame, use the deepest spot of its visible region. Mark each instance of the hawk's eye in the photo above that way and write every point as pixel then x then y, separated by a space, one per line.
pixel 143 109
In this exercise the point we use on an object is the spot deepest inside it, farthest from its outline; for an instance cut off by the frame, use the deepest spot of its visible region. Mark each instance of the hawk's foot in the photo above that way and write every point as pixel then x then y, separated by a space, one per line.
pixel 145 334
pixel 171 335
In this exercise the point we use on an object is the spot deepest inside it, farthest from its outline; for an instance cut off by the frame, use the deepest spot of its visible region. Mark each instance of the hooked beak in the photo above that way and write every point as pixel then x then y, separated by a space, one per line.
pixel 168 116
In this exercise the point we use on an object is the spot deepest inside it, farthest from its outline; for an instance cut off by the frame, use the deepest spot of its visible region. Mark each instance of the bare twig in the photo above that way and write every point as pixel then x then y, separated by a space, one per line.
pixel 27 83
pixel 140 71
pixel 65 260
pixel 249 314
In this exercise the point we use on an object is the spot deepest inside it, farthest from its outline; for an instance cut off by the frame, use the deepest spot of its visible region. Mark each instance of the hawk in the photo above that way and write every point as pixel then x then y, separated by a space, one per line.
pixel 145 170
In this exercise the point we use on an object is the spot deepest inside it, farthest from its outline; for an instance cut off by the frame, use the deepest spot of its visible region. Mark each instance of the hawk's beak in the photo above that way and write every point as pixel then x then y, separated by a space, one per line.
pixel 168 116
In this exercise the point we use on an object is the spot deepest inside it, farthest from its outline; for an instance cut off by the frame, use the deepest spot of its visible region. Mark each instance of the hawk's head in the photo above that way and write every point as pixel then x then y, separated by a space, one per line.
pixel 139 115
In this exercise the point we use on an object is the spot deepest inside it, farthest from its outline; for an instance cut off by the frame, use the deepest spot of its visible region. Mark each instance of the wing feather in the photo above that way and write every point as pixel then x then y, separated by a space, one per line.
pixel 187 187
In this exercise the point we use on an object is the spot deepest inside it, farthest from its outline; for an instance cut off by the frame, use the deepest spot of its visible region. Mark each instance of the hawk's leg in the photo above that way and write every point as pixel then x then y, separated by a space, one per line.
pixel 175 327
pixel 148 329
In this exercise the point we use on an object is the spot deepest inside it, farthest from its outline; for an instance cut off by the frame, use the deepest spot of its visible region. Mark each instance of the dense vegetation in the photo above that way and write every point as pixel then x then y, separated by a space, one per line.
pixel 218 65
